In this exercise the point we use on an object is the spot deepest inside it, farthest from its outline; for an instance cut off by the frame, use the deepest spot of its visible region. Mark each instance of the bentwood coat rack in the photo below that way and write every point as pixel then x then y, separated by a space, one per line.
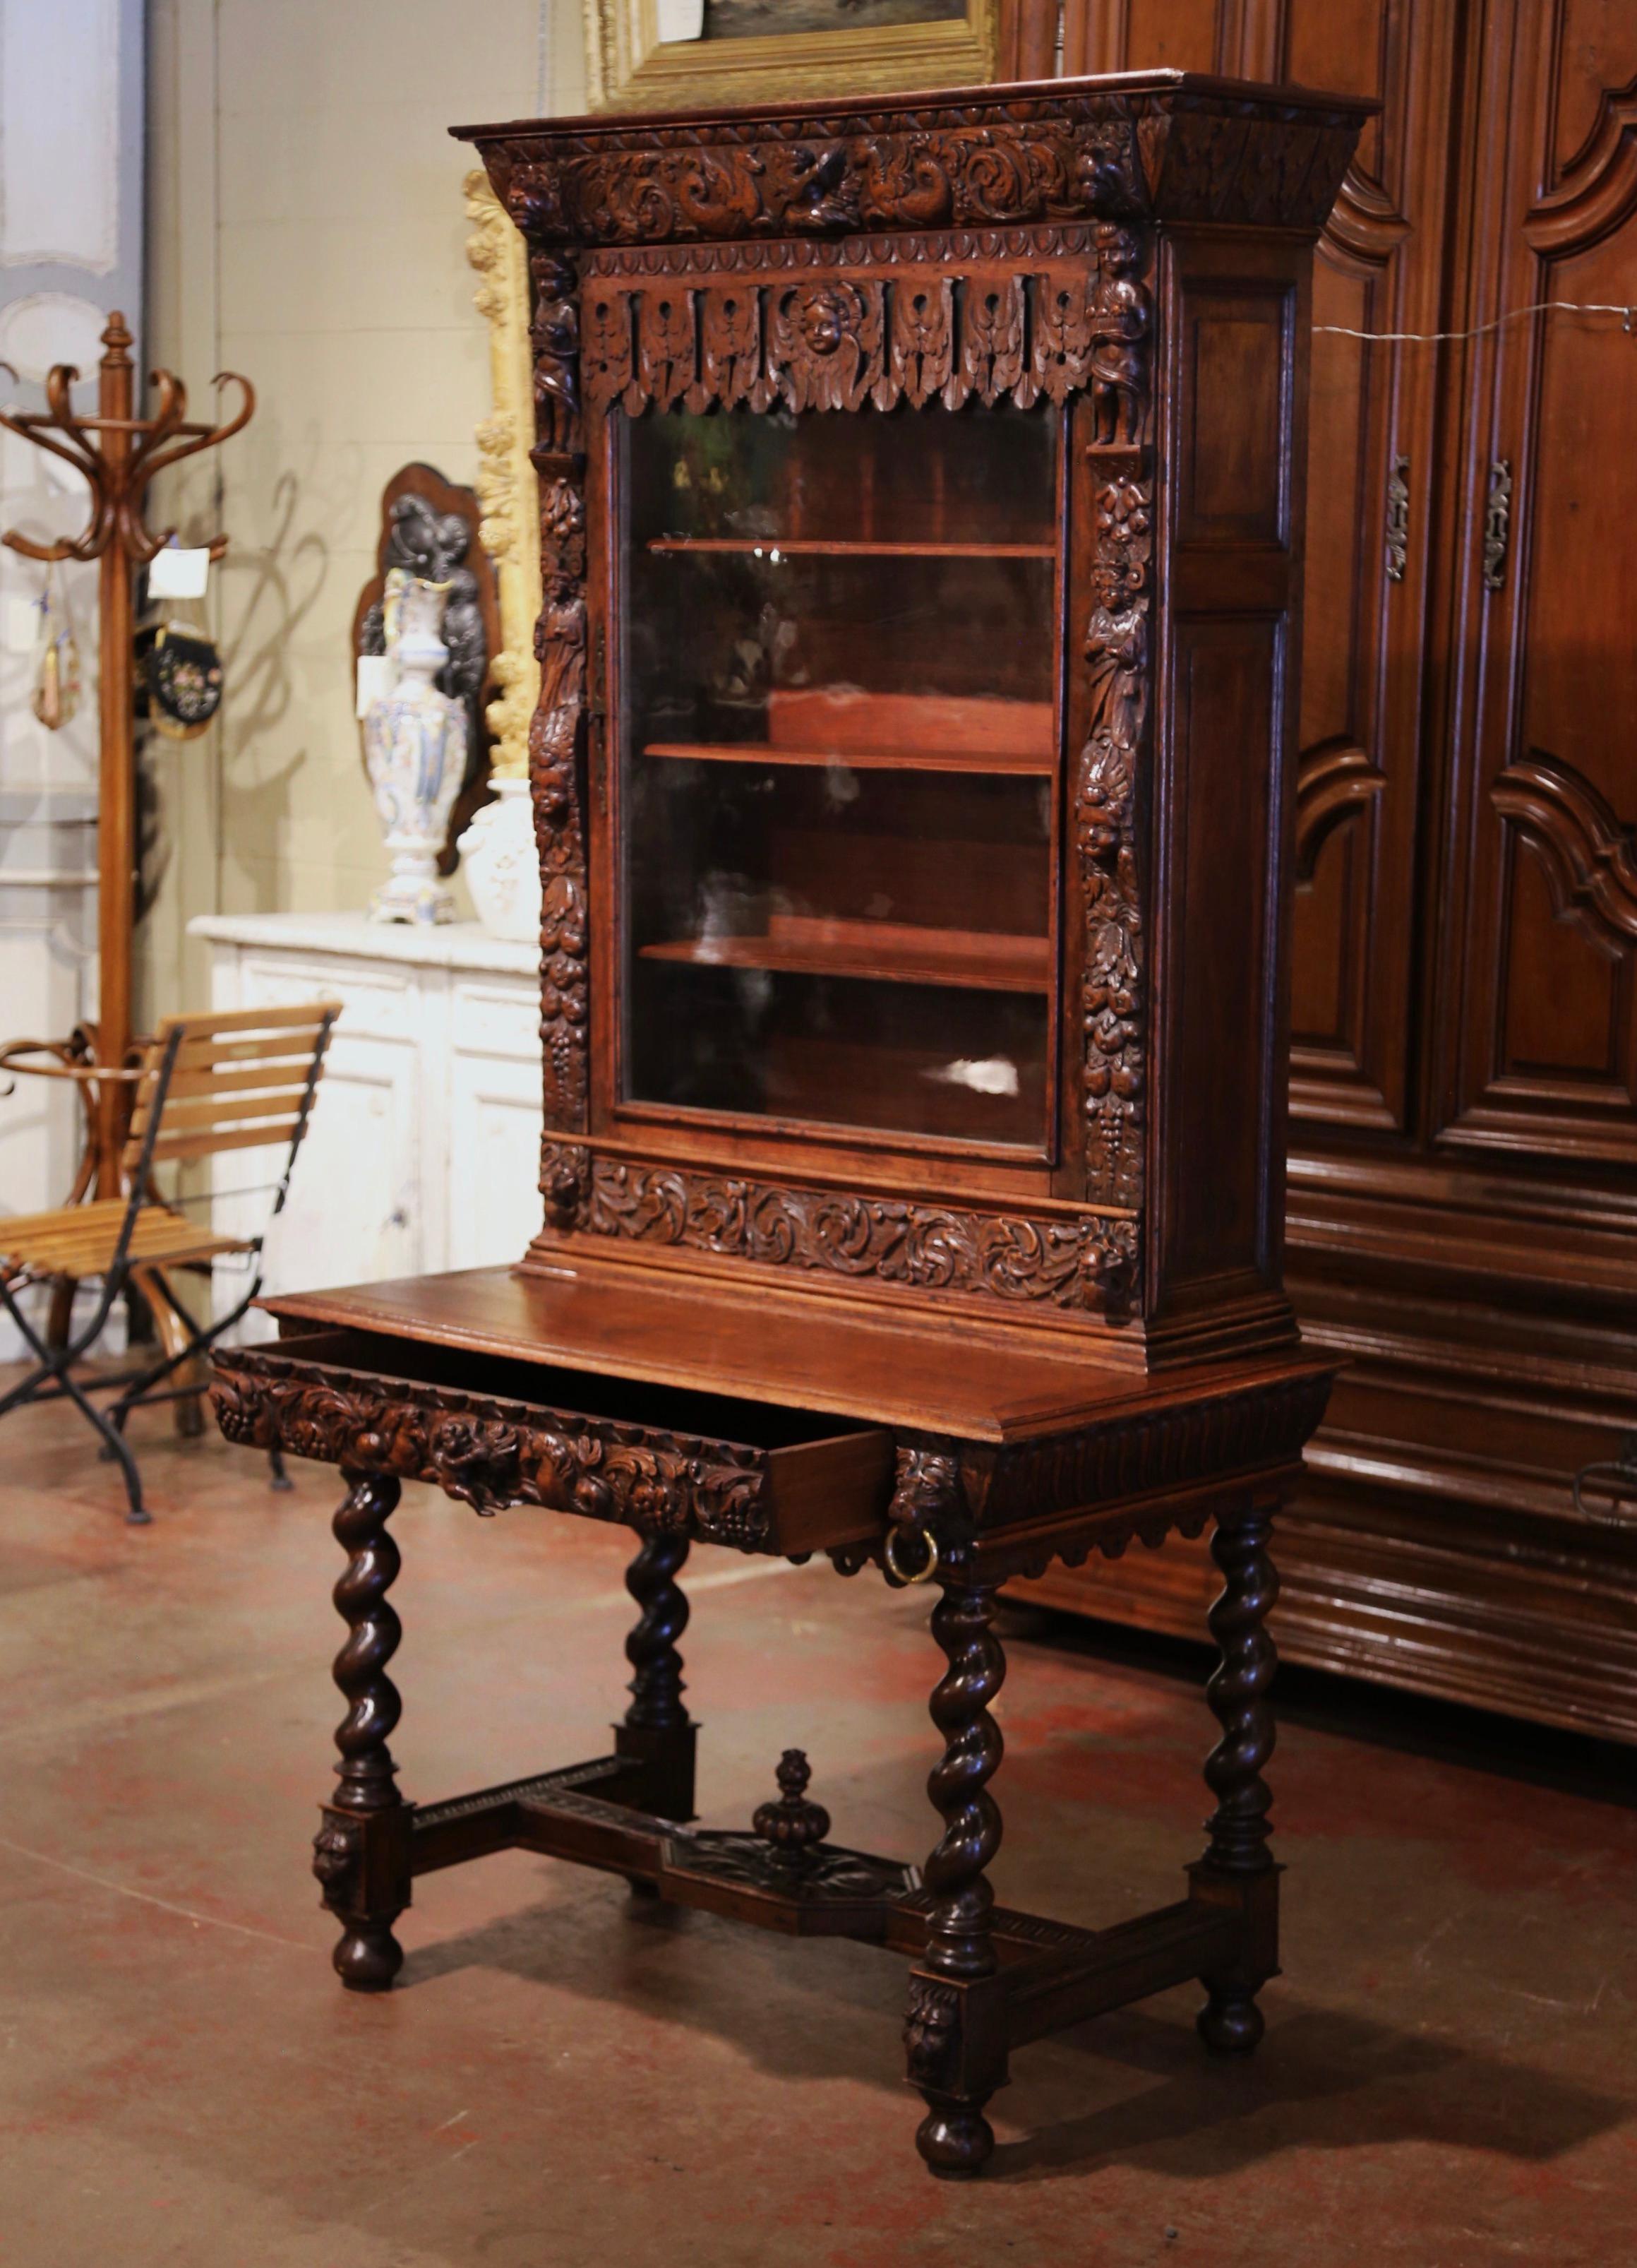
pixel 120 455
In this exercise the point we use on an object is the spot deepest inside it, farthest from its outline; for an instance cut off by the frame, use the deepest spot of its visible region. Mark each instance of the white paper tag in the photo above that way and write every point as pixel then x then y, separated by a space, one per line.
pixel 376 679
pixel 22 623
pixel 173 573
pixel 681 20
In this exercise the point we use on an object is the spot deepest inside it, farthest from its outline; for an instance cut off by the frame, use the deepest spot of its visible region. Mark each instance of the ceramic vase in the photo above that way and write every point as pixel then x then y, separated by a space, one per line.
pixel 414 744
pixel 502 864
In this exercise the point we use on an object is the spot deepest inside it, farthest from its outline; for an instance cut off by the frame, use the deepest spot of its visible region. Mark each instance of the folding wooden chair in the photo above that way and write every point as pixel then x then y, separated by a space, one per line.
pixel 208 1083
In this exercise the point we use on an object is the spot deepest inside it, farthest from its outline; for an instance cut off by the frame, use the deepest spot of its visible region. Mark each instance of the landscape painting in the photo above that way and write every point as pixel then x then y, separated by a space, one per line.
pixel 759 20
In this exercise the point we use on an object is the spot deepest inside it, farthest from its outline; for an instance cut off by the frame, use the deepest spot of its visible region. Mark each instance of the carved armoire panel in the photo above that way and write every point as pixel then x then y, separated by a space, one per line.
pixel 1539 987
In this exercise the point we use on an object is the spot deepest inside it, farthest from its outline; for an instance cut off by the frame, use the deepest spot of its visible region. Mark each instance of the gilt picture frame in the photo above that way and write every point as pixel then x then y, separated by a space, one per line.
pixel 872 47
pixel 506 485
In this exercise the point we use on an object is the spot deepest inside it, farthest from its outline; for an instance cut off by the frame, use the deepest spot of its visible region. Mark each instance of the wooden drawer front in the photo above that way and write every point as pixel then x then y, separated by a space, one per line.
pixel 496 1433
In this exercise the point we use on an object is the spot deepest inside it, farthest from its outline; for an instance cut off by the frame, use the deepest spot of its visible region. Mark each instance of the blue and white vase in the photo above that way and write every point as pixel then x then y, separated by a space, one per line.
pixel 415 746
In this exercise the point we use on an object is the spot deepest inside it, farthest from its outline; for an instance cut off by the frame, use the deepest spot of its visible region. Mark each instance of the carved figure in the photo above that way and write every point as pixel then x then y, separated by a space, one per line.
pixel 1119 329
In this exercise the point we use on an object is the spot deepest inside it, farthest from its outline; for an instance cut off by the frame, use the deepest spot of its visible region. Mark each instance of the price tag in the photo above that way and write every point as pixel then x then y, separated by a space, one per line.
pixel 173 573
pixel 681 20
pixel 376 679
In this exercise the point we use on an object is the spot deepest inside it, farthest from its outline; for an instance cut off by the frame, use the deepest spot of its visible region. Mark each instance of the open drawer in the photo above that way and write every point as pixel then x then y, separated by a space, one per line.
pixel 496 1431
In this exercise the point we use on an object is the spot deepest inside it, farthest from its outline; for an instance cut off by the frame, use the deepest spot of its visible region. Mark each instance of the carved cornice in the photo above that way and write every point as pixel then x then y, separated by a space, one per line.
pixel 1335 781
pixel 490 1453
pixel 1589 852
pixel 1169 153
pixel 1087 1263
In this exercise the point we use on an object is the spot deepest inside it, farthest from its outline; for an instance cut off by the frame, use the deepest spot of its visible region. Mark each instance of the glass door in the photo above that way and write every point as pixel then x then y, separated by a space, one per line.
pixel 838 786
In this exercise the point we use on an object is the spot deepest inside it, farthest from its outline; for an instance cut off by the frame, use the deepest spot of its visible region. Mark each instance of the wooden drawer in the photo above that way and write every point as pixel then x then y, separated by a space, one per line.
pixel 495 1432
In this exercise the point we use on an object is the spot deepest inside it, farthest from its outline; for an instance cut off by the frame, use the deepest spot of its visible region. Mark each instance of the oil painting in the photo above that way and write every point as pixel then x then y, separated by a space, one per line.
pixel 665 54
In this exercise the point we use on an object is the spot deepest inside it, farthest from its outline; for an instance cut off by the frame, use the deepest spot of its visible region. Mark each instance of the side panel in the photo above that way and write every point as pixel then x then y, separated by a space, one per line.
pixel 1232 398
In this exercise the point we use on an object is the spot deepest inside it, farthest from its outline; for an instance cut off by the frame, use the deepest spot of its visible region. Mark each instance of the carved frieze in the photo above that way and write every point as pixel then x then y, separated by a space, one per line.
pixel 1087 1262
pixel 491 1454
pixel 838 341
pixel 1173 153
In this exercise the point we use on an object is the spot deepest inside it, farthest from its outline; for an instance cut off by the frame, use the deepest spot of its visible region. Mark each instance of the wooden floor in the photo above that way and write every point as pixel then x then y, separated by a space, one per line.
pixel 569 2077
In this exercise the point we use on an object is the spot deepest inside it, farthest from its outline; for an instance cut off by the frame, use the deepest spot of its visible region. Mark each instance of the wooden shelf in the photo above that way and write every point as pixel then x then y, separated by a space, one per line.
pixel 802 547
pixel 888 952
pixel 1021 761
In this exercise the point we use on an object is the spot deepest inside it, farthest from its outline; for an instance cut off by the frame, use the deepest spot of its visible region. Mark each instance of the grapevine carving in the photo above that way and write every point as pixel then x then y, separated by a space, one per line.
pixel 1087 1262
pixel 1106 792
pixel 491 1454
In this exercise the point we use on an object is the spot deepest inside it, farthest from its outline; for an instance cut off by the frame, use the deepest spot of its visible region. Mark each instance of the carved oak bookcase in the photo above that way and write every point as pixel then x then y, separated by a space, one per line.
pixel 921 538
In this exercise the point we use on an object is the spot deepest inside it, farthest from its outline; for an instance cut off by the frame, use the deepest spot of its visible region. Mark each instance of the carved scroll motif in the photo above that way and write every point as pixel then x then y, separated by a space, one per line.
pixel 556 755
pixel 834 342
pixel 1175 153
pixel 1088 1263
pixel 490 1454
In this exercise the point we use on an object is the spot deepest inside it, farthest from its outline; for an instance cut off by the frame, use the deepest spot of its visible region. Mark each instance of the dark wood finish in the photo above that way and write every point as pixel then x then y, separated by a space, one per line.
pixel 360 1855
pixel 950 1342
pixel 433 527
pixel 1464 1008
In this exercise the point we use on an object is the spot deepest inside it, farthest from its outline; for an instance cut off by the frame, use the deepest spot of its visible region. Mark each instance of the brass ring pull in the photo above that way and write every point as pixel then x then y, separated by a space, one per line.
pixel 894 1535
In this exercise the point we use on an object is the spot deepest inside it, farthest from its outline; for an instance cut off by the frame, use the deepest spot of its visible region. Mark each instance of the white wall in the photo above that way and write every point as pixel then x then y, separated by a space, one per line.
pixel 308 228
pixel 71 250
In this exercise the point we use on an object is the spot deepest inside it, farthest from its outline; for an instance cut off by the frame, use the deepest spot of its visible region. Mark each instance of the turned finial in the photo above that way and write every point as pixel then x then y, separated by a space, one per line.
pixel 793 1826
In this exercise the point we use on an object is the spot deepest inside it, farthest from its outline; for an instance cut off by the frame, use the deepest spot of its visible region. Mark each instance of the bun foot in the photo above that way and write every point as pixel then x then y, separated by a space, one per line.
pixel 368 1959
pixel 1230 2022
pixel 954 2141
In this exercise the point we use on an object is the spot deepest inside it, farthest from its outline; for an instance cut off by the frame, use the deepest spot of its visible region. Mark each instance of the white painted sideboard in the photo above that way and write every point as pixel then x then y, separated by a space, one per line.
pixel 423 1153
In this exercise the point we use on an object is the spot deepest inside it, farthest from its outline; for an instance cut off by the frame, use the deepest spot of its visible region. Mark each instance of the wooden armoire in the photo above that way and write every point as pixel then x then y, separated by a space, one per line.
pixel 1463 1208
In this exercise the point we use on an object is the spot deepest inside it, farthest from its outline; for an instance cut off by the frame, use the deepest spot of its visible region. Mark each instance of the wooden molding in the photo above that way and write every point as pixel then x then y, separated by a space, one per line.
pixel 1598 190
pixel 1588 853
pixel 1335 781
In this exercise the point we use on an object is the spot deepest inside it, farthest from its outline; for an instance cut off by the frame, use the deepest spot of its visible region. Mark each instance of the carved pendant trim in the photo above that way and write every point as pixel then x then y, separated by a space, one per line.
pixel 841 339
pixel 1085 1264
pixel 490 1453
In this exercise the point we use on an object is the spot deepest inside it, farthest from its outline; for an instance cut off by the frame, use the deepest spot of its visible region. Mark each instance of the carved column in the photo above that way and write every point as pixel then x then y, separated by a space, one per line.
pixel 658 1731
pixel 361 1854
pixel 955 2033
pixel 1238 1866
